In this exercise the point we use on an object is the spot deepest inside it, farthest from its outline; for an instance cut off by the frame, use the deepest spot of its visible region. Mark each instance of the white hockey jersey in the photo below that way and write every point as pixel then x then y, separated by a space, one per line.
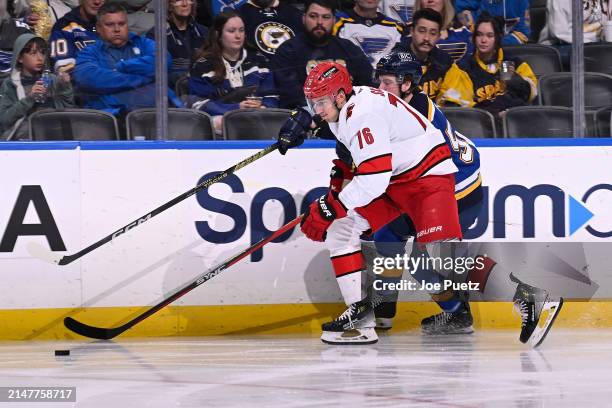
pixel 390 142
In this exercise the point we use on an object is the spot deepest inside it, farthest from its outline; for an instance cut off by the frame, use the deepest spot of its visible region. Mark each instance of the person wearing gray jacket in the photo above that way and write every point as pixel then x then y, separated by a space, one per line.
pixel 24 91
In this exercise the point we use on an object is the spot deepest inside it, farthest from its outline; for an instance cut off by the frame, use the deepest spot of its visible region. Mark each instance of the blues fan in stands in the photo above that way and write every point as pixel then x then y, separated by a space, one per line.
pixel 373 32
pixel 184 37
pixel 117 72
pixel 269 23
pixel 399 73
pixel 229 75
pixel 399 10
pixel 24 92
pixel 73 32
pixel 296 57
pixel 480 84
pixel 30 13
pixel 10 29
pixel 455 38
pixel 437 64
pixel 515 14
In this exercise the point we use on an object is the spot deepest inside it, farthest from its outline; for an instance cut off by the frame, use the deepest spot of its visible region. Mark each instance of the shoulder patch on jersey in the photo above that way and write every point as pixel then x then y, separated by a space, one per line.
pixel 349 111
pixel 270 35
pixel 393 24
pixel 73 27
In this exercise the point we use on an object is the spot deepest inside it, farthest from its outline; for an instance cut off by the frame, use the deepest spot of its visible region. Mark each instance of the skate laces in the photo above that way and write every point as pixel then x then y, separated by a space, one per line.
pixel 377 300
pixel 442 318
pixel 522 308
pixel 348 314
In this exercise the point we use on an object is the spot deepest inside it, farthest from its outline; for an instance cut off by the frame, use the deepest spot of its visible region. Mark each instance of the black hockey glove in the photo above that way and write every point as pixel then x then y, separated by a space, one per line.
pixel 322 130
pixel 293 132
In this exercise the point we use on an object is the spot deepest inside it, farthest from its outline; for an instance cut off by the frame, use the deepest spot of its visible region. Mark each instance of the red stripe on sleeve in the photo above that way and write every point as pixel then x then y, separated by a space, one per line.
pixel 435 156
pixel 378 164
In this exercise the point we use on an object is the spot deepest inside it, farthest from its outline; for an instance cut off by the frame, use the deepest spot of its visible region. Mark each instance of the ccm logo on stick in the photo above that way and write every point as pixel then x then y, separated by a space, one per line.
pixel 132 225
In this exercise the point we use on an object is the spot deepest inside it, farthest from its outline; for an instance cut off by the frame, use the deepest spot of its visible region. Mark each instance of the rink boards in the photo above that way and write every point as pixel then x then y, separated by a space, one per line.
pixel 70 194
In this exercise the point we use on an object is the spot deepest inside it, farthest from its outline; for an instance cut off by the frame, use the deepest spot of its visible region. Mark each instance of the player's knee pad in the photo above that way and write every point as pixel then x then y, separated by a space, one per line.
pixel 343 235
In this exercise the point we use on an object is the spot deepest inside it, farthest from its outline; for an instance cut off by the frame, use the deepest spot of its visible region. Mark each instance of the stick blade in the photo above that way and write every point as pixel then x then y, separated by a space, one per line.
pixel 66 259
pixel 92 332
pixel 37 251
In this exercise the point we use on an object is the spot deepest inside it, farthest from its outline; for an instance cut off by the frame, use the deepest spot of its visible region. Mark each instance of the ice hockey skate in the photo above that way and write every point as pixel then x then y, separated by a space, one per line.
pixel 384 310
pixel 354 326
pixel 538 312
pixel 459 322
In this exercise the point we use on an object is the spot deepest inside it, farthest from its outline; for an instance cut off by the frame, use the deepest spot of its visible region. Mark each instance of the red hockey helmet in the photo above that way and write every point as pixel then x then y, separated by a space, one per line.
pixel 327 78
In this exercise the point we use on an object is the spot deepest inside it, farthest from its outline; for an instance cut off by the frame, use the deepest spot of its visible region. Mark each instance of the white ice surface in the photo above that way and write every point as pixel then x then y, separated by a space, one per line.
pixel 488 369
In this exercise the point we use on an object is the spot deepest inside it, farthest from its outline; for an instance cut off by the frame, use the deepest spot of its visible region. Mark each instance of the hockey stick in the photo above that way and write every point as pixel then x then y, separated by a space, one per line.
pixel 109 333
pixel 39 252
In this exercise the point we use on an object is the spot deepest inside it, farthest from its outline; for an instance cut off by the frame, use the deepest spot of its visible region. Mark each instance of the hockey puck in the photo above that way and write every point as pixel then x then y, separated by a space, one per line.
pixel 62 352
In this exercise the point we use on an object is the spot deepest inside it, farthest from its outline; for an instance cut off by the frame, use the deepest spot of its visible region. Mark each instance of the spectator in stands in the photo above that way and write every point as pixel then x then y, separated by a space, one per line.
pixel 437 64
pixel 482 83
pixel 10 29
pixel 184 37
pixel 72 33
pixel 228 74
pixel 515 14
pixel 41 15
pixel 24 92
pixel 558 29
pixel 399 10
pixel 117 72
pixel 141 16
pixel 455 38
pixel 373 32
pixel 296 57
pixel 269 23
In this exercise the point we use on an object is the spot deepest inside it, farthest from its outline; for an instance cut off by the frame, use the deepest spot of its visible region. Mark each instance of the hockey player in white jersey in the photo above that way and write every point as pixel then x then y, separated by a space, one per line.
pixel 403 166
pixel 398 72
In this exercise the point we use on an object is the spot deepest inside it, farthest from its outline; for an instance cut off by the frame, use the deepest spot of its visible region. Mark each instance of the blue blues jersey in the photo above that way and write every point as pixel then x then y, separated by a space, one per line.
pixel 5 62
pixel 463 152
pixel 69 36
pixel 458 44
pixel 515 13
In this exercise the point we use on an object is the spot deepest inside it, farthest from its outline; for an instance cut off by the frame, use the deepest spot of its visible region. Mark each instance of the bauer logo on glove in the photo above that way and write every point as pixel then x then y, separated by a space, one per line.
pixel 325 211
pixel 320 215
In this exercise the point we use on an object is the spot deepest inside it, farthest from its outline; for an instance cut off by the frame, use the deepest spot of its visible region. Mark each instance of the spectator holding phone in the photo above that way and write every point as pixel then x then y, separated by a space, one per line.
pixel 25 91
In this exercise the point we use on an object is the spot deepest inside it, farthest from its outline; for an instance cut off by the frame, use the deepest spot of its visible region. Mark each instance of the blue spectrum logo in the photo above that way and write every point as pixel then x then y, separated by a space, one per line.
pixel 567 211
pixel 575 217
